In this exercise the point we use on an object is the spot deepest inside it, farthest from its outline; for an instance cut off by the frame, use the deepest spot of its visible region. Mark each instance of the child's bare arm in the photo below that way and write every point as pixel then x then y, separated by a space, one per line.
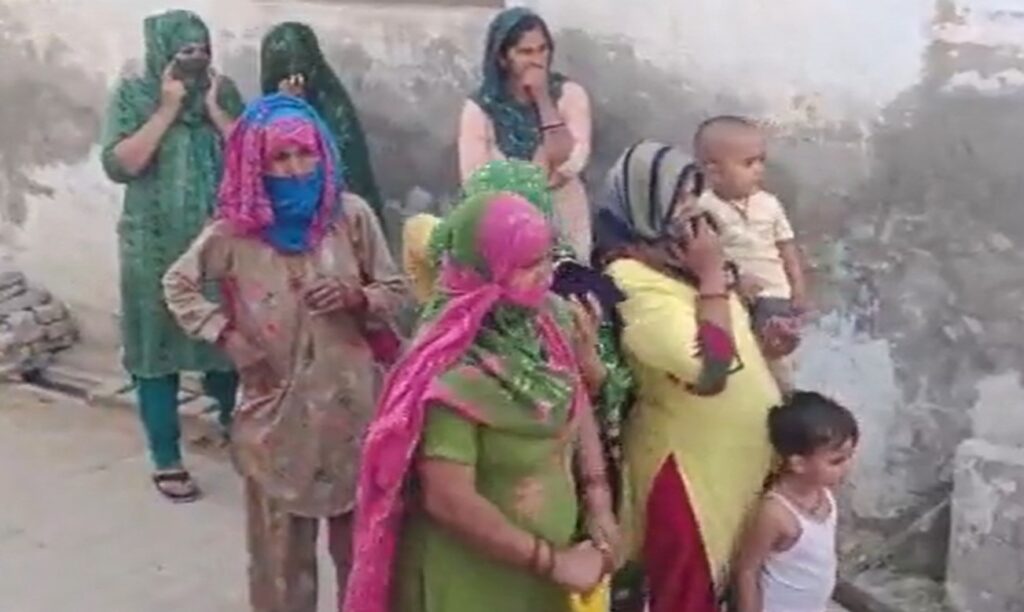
pixel 765 534
pixel 792 262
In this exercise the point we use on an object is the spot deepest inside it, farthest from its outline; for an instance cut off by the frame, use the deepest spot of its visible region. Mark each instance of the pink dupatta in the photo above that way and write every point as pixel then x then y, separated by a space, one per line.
pixel 511 235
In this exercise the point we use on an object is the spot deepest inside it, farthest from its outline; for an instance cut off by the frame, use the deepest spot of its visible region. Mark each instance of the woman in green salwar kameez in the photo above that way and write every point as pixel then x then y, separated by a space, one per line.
pixel 484 417
pixel 162 140
pixel 291 62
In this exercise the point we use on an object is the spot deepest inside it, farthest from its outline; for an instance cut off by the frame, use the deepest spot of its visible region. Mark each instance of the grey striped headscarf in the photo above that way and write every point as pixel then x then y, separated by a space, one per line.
pixel 641 194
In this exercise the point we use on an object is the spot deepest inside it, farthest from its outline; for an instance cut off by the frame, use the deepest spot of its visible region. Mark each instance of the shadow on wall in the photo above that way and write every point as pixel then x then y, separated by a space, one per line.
pixel 49 114
pixel 935 240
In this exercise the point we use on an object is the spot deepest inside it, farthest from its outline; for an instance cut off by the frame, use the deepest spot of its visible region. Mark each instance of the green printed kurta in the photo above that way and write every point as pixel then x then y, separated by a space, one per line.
pixel 520 444
pixel 166 205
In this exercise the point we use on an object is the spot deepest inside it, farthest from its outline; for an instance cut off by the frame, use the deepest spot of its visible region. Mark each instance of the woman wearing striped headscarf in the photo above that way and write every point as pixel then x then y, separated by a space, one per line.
pixel 696 446
pixel 305 272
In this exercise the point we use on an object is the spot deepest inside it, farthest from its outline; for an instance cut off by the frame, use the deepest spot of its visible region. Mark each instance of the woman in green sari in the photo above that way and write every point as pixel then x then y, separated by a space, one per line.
pixel 291 62
pixel 162 140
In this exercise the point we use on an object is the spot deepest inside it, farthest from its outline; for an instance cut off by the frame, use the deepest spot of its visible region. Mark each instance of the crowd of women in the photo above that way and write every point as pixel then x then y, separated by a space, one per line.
pixel 581 408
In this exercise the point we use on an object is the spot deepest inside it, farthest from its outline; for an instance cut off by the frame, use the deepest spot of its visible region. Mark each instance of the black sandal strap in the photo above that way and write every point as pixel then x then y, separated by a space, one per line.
pixel 178 476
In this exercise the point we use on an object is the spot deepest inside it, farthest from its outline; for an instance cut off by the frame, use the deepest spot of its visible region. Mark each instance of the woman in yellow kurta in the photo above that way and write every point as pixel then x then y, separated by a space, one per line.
pixel 416 261
pixel 696 444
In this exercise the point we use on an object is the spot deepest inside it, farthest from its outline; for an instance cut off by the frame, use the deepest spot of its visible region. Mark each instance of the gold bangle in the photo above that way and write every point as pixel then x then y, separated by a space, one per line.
pixel 607 559
pixel 535 554
pixel 714 296
pixel 550 569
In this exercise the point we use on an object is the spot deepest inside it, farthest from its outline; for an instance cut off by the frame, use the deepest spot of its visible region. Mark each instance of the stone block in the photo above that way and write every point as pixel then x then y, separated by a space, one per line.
pixel 986 557
pixel 12 292
pixel 50 313
pixel 23 328
pixel 11 278
pixel 30 298
pixel 58 344
pixel 58 330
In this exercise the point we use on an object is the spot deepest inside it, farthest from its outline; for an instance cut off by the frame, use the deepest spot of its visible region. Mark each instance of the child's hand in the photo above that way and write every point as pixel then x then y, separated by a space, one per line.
pixel 780 337
pixel 801 303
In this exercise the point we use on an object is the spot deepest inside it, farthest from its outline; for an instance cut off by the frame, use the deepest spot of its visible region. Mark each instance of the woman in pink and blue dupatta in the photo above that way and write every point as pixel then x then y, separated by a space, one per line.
pixel 305 271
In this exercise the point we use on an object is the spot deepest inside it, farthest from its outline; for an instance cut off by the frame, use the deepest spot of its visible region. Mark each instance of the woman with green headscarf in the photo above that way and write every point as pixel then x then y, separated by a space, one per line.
pixel 162 140
pixel 425 237
pixel 523 110
pixel 291 62
pixel 467 495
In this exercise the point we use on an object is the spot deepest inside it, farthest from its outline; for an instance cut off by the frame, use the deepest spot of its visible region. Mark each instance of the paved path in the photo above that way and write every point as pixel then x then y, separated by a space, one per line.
pixel 81 529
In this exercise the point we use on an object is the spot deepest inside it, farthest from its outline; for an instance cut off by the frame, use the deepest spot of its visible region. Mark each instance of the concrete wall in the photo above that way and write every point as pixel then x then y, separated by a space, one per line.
pixel 897 129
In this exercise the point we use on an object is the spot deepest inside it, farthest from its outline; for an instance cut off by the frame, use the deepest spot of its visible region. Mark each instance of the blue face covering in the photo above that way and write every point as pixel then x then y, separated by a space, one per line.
pixel 295 200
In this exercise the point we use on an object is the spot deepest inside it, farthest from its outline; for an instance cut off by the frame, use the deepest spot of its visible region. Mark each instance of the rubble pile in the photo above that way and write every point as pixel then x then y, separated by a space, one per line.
pixel 33 326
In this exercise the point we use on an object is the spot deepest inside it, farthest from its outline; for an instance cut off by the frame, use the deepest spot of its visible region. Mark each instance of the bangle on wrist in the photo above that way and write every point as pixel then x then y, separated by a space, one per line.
pixel 719 295
pixel 535 555
pixel 607 559
pixel 549 569
pixel 552 126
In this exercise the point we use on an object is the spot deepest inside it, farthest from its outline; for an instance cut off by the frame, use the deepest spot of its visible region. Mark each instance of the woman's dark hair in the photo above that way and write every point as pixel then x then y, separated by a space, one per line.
pixel 809 422
pixel 528 23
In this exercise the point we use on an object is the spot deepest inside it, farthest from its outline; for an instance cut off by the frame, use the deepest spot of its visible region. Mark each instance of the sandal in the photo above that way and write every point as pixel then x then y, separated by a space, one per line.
pixel 177 486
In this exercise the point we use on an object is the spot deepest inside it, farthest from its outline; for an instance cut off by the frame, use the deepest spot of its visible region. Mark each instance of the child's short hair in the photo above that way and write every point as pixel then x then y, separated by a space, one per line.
pixel 701 144
pixel 808 422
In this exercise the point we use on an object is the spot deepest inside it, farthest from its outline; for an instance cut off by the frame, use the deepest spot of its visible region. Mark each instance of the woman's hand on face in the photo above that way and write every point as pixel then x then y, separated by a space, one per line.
pixel 213 93
pixel 535 83
pixel 328 295
pixel 172 90
pixel 703 251
pixel 293 85
pixel 579 569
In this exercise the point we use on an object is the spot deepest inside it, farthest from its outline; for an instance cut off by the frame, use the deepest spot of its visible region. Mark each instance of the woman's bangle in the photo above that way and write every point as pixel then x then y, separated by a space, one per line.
pixel 714 296
pixel 549 569
pixel 535 555
pixel 552 126
pixel 607 559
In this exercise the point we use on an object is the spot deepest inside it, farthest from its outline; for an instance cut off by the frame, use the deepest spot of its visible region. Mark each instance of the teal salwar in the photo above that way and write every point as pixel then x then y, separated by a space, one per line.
pixel 158 407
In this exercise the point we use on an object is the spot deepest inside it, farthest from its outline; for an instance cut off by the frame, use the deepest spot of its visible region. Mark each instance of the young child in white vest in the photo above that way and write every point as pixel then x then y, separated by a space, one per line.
pixel 788 561
pixel 752 224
